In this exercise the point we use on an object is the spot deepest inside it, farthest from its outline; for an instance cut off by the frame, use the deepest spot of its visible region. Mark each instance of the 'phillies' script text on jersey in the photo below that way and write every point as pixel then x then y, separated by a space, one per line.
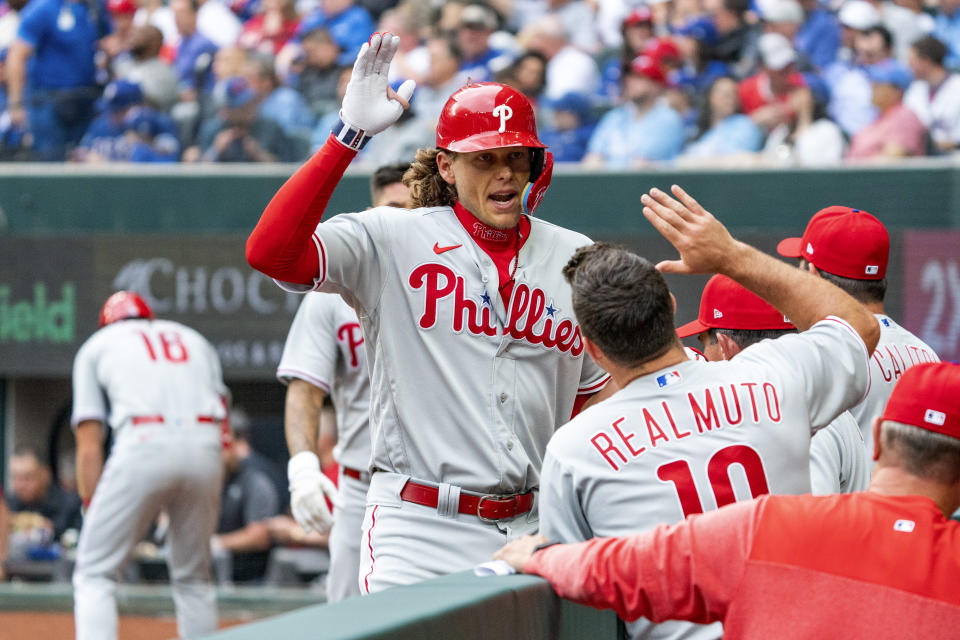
pixel 528 307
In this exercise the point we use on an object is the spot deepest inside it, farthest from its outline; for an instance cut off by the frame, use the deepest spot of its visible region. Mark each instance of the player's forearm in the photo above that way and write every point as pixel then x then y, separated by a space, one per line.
pixel 301 420
pixel 89 458
pixel 802 297
pixel 281 245
pixel 255 536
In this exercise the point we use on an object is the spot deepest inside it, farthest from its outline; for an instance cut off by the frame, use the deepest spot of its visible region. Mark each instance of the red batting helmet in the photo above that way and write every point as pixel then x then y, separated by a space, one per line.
pixel 487 115
pixel 124 305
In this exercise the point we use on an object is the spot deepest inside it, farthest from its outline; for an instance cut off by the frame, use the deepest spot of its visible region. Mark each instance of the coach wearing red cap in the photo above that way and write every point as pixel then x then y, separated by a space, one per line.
pixel 851 249
pixel 876 564
pixel 731 319
pixel 474 353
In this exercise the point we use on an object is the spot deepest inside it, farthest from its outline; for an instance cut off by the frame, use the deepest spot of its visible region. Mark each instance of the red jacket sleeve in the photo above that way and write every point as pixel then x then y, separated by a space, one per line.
pixel 687 571
pixel 281 245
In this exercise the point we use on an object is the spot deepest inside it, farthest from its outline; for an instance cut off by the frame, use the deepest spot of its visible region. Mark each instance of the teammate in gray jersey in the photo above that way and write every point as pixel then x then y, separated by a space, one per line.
pixel 475 356
pixel 158 385
pixel 324 355
pixel 682 437
pixel 732 319
pixel 851 249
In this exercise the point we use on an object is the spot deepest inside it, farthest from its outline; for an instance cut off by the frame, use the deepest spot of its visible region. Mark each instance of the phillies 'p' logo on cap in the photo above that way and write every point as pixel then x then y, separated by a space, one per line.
pixel 504 112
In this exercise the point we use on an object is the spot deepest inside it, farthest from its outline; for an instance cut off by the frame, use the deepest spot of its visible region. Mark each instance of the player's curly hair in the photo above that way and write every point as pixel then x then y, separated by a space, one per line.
pixel 427 187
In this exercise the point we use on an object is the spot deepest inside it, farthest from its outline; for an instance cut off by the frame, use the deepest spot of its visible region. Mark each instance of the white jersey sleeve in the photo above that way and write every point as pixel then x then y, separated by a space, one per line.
pixel 828 364
pixel 561 515
pixel 838 461
pixel 89 399
pixel 310 352
pixel 592 377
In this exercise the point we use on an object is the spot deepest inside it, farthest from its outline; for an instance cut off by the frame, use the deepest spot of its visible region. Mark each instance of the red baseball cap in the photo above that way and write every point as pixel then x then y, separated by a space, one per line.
pixel 927 396
pixel 846 242
pixel 639 15
pixel 728 305
pixel 121 6
pixel 649 67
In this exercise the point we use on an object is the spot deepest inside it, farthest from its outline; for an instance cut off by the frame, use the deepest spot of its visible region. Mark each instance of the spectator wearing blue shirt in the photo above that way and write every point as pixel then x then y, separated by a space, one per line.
pixel 194 66
pixel 480 61
pixel 239 133
pixel 723 128
pixel 51 72
pixel 283 105
pixel 819 36
pixel 349 26
pixel 947 30
pixel 127 131
pixel 644 129
pixel 695 39
pixel 851 104
pixel 636 30
pixel 568 127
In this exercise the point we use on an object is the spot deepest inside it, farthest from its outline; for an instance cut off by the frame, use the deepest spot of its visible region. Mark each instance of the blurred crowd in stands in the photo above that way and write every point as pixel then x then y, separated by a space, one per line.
pixel 617 83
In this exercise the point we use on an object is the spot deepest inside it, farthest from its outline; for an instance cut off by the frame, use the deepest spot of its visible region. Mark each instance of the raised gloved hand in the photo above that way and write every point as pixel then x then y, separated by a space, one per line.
pixel 309 490
pixel 369 105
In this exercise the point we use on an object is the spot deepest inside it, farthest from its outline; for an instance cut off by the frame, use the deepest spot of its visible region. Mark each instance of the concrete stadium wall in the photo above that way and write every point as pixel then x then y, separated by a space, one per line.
pixel 460 606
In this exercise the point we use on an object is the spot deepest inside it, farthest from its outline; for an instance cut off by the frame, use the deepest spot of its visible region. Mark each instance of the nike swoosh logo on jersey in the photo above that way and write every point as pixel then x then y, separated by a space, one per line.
pixel 437 249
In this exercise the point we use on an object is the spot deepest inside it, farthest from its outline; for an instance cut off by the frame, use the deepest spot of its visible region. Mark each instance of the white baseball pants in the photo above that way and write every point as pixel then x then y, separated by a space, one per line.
pixel 149 470
pixel 345 539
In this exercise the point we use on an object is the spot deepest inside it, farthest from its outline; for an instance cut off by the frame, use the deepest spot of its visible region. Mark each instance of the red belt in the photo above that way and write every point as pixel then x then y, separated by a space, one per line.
pixel 356 474
pixel 490 507
pixel 158 419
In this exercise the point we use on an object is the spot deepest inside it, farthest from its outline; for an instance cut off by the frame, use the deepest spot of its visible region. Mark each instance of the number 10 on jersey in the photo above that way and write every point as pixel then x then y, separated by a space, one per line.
pixel 718 471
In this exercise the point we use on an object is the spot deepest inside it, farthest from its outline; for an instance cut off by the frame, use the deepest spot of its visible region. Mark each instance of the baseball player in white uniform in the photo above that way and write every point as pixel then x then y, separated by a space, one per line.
pixel 158 384
pixel 681 436
pixel 732 319
pixel 475 356
pixel 851 249
pixel 323 355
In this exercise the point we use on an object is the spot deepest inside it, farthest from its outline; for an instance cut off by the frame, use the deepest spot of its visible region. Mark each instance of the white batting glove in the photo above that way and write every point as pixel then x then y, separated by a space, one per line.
pixel 309 489
pixel 366 105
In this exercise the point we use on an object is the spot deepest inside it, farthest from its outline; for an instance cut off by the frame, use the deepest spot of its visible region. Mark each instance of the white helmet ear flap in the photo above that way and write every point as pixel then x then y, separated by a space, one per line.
pixel 537 187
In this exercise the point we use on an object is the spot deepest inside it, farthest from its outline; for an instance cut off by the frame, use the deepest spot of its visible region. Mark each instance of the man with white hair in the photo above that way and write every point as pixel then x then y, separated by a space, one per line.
pixel 569 70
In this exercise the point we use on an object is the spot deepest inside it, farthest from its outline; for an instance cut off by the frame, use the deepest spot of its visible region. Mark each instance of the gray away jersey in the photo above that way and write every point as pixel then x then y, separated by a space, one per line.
pixel 464 389
pixel 698 435
pixel 325 348
pixel 897 351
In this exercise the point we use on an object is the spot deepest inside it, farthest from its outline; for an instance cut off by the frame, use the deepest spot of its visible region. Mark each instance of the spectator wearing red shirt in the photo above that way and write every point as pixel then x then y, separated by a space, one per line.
pixel 875 564
pixel 766 95
pixel 897 131
pixel 268 31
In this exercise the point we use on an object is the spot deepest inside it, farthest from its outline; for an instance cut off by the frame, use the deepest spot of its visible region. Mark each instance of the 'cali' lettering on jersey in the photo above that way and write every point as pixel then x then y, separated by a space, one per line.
pixel 705 410
pixel 892 364
pixel 526 320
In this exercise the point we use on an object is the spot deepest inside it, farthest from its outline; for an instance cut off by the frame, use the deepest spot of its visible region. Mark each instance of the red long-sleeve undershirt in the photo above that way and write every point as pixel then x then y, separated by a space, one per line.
pixel 281 245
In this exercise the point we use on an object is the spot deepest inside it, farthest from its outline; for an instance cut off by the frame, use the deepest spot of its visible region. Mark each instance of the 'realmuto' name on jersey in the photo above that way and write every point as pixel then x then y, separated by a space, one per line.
pixel 530 319
pixel 628 437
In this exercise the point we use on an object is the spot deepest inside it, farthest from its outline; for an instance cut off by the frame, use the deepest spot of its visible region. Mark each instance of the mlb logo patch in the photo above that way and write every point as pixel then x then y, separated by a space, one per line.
pixel 668 379
pixel 717 314
pixel 885 322
pixel 933 416
pixel 872 270
pixel 905 526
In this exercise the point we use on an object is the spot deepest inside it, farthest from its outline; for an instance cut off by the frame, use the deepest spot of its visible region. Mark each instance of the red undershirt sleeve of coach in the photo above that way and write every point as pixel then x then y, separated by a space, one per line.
pixel 281 245
pixel 687 571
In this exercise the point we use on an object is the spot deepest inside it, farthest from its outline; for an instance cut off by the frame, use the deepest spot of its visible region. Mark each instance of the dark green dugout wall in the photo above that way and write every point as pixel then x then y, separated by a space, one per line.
pixel 455 607
pixel 204 199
